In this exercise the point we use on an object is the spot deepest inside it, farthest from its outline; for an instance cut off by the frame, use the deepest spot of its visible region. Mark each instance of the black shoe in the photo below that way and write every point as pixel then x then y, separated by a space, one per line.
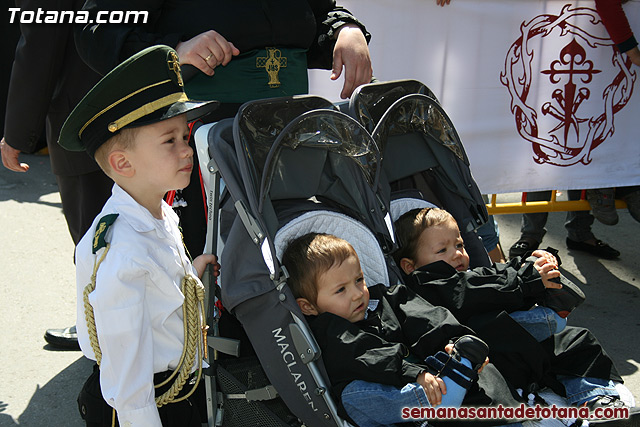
pixel 66 338
pixel 615 410
pixel 522 246
pixel 600 249
pixel 471 348
pixel 564 300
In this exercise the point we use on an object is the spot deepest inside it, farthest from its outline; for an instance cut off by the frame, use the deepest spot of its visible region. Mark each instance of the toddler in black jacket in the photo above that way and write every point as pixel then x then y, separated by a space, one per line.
pixel 377 343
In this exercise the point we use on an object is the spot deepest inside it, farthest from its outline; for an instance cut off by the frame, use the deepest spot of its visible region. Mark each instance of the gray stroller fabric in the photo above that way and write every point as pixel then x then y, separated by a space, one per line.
pixel 422 151
pixel 337 160
pixel 369 102
pixel 249 293
pixel 415 135
pixel 403 205
pixel 360 237
pixel 266 315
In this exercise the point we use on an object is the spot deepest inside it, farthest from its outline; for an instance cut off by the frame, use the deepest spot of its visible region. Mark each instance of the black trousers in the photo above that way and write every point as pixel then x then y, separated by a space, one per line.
pixel 96 412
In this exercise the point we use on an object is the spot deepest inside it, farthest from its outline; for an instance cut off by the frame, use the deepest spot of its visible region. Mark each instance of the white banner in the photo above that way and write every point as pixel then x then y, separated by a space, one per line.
pixel 535 88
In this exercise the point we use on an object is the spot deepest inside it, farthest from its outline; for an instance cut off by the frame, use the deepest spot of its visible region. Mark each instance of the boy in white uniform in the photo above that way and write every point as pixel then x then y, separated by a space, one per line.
pixel 139 301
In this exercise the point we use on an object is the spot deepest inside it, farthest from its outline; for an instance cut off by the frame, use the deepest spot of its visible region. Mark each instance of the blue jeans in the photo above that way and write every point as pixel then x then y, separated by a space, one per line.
pixel 490 234
pixel 580 390
pixel 540 322
pixel 373 404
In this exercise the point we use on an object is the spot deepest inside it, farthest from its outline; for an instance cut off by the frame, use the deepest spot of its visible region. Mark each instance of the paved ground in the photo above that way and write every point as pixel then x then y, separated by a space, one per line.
pixel 39 385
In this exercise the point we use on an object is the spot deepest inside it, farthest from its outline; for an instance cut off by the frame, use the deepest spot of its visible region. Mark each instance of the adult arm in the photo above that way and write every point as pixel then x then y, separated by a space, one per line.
pixel 617 25
pixel 341 45
pixel 11 158
pixel 36 68
pixel 330 18
pixel 351 53
pixel 104 46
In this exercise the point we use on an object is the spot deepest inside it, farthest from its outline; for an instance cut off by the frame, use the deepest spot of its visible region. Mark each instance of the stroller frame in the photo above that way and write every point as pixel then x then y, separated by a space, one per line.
pixel 303 341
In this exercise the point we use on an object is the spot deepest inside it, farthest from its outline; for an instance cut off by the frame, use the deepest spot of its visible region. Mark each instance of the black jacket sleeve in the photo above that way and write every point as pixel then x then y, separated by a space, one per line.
pixel 509 287
pixel 350 353
pixel 377 349
pixel 426 328
pixel 329 18
pixel 37 66
pixel 48 79
pixel 103 46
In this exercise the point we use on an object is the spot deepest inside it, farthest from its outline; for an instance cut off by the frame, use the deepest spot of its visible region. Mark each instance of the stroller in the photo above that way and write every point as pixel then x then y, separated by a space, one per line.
pixel 292 166
pixel 405 117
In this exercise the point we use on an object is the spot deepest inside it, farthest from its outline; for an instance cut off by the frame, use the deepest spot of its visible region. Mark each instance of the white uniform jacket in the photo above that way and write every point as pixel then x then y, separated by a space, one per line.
pixel 137 304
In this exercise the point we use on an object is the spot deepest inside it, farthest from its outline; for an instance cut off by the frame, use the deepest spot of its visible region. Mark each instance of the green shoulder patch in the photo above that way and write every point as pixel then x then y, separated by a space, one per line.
pixel 101 231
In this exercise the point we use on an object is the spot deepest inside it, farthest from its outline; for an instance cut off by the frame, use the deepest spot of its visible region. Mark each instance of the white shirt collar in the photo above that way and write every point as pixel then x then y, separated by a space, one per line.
pixel 137 215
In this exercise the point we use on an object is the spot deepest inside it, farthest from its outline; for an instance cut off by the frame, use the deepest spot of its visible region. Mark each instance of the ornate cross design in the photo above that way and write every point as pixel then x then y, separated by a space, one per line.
pixel 174 65
pixel 574 56
pixel 272 63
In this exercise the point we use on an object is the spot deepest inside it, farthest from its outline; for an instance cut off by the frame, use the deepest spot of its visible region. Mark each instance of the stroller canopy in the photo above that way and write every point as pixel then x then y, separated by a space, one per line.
pixel 321 154
pixel 369 102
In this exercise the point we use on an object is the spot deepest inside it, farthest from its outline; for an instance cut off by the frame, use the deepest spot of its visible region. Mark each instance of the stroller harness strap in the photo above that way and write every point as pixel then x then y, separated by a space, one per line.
pixel 445 365
pixel 193 315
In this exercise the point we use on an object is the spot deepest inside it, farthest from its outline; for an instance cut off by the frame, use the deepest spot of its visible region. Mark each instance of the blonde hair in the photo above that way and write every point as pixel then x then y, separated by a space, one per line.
pixel 409 228
pixel 311 255
pixel 123 140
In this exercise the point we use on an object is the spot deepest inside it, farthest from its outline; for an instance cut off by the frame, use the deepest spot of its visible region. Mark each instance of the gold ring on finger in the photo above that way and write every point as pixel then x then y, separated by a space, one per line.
pixel 208 57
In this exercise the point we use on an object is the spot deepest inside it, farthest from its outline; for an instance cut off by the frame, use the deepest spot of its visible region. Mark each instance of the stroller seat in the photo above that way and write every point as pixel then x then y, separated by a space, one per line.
pixel 405 204
pixel 361 238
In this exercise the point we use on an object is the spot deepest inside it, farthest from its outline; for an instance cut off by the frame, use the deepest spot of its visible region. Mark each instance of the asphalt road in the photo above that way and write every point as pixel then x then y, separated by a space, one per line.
pixel 39 385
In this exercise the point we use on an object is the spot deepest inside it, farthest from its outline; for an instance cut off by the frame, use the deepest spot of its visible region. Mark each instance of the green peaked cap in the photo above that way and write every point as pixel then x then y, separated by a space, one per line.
pixel 144 89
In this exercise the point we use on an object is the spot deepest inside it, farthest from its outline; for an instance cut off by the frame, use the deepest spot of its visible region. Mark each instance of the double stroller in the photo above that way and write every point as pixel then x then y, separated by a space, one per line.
pixel 289 166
